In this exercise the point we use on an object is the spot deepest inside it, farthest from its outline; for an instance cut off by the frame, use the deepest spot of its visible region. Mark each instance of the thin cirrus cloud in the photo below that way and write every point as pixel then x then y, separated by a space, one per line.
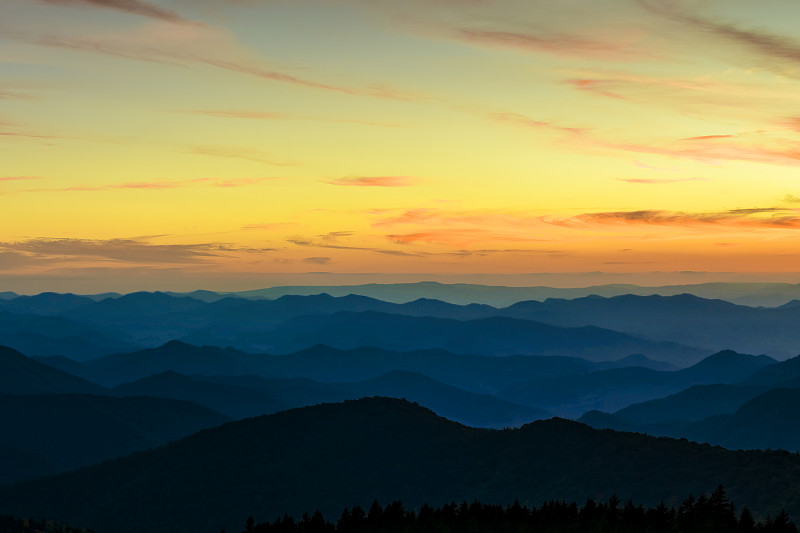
pixel 659 181
pixel 460 237
pixel 203 45
pixel 522 120
pixel 767 45
pixel 317 260
pixel 160 184
pixel 373 181
pixel 779 218
pixel 708 137
pixel 597 86
pixel 558 44
pixel 246 153
pixel 126 250
pixel 267 115
pixel 19 178
pixel 323 241
pixel 709 150
pixel 135 7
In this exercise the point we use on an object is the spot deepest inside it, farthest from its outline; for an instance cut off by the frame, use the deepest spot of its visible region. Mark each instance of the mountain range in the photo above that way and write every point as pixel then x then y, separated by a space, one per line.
pixel 331 456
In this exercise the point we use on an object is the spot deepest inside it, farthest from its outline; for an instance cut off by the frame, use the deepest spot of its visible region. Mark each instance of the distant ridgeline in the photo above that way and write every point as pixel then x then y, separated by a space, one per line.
pixel 706 514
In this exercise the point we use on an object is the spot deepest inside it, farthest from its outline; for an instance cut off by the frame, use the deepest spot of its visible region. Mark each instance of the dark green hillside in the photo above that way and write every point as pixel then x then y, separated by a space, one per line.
pixel 477 410
pixel 72 430
pixel 235 401
pixel 337 455
pixel 775 374
pixel 16 465
pixel 174 355
pixel 694 403
pixel 771 420
pixel 22 375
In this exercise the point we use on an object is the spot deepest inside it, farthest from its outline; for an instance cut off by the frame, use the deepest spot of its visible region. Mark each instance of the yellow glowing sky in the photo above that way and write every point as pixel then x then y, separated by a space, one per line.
pixel 149 143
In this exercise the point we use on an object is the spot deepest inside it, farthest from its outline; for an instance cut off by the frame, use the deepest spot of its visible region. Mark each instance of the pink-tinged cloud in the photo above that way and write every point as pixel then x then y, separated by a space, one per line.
pixel 600 87
pixel 656 181
pixel 708 137
pixel 19 178
pixel 466 239
pixel 135 7
pixel 522 120
pixel 710 151
pixel 374 181
pixel 558 43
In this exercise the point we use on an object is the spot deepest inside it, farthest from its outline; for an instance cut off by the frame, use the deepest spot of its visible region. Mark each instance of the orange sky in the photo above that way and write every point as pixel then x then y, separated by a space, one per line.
pixel 232 144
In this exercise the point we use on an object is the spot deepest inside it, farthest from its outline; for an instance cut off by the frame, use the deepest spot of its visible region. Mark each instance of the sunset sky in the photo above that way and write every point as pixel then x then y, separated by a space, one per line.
pixel 234 144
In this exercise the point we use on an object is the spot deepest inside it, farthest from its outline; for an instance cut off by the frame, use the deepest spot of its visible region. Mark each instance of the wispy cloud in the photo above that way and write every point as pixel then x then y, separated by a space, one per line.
pixel 126 250
pixel 657 181
pixel 329 240
pixel 708 137
pixel 764 44
pixel 129 250
pixel 522 120
pixel 268 226
pixel 19 178
pixel 563 44
pixel 159 184
pixel 735 218
pixel 135 7
pixel 601 87
pixel 713 149
pixel 198 44
pixel 374 181
pixel 460 229
pixel 235 152
pixel 267 115
pixel 463 237
pixel 317 260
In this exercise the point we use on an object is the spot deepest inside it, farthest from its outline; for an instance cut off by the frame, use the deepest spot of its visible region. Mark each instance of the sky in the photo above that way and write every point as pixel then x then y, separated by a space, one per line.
pixel 237 144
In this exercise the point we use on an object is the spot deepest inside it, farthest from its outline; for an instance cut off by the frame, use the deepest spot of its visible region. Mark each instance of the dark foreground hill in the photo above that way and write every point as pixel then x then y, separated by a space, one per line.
pixel 332 456
pixel 44 434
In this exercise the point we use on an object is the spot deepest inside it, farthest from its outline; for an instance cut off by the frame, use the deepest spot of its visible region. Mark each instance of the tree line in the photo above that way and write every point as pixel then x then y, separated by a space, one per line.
pixel 705 514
